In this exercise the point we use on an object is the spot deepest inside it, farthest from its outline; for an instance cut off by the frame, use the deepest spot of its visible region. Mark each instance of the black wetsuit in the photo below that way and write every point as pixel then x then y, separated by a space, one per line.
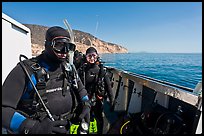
pixel 17 90
pixel 92 75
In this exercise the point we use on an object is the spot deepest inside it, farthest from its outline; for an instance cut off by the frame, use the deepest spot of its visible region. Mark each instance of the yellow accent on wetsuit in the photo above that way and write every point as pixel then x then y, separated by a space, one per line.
pixel 73 129
pixel 93 126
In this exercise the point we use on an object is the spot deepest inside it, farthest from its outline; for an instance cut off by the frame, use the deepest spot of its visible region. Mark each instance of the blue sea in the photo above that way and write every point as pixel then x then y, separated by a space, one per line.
pixel 184 69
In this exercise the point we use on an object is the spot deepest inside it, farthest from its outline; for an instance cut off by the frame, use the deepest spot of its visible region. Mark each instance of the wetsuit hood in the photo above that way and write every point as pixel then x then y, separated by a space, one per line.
pixel 52 34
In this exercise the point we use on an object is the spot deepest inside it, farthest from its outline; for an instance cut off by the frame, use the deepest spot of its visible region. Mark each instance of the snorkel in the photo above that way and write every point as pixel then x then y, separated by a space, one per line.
pixel 71 52
pixel 70 65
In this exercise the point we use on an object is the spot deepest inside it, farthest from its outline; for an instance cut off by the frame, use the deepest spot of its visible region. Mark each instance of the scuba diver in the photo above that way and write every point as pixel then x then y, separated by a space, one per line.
pixel 42 94
pixel 97 84
pixel 79 59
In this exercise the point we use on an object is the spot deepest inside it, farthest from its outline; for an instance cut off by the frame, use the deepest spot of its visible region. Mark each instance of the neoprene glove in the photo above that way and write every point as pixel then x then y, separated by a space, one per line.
pixel 85 110
pixel 46 126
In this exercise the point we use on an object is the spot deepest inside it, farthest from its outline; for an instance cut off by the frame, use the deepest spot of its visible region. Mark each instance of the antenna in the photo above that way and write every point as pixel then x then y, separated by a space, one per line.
pixel 96 25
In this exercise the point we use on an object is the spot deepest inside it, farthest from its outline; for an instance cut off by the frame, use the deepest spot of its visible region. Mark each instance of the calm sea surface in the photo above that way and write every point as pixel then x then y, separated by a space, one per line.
pixel 183 69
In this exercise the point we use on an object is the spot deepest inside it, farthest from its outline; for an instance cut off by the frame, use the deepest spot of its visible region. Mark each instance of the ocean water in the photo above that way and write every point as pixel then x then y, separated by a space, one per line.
pixel 184 69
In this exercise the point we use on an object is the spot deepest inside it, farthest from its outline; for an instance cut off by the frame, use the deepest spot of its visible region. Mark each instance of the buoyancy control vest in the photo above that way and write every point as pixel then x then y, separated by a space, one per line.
pixel 98 84
pixel 49 85
pixel 101 81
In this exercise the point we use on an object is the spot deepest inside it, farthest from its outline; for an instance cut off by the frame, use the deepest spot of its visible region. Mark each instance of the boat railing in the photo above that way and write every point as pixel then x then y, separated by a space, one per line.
pixel 182 93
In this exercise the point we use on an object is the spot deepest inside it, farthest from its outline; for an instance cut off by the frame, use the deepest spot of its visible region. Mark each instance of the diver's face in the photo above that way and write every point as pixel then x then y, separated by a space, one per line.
pixel 92 57
pixel 60 47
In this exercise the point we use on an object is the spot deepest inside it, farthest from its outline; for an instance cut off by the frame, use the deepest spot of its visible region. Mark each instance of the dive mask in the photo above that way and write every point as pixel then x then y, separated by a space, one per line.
pixel 62 45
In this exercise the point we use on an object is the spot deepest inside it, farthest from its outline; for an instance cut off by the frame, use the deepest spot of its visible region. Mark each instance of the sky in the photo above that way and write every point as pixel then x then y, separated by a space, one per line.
pixel 157 27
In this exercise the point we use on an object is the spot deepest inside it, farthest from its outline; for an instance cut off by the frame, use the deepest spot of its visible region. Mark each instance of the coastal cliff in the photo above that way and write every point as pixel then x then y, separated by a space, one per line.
pixel 83 41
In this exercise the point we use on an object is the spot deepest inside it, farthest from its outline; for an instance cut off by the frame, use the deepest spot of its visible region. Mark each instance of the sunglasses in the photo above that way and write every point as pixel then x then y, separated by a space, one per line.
pixel 63 45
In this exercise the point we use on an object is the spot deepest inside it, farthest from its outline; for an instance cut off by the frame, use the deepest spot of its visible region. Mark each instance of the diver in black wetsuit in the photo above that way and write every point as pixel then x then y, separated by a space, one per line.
pixel 97 84
pixel 60 90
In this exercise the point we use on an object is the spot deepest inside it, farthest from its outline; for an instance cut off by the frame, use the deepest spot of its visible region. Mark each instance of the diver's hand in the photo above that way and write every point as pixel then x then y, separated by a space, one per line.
pixel 46 126
pixel 85 110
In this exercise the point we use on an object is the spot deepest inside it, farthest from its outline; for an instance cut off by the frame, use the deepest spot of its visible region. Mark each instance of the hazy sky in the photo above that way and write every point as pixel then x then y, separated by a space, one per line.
pixel 138 26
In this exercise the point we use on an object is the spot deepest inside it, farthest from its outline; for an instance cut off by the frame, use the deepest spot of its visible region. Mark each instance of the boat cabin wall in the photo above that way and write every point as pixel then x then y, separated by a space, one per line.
pixel 16 40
